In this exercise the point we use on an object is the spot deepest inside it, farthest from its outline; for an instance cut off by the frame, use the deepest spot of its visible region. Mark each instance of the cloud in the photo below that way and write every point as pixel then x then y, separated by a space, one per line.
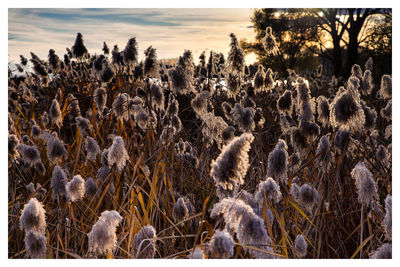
pixel 170 31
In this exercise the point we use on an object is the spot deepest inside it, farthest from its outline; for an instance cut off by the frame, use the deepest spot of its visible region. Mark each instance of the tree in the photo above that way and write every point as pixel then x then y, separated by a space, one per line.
pixel 292 28
pixel 298 30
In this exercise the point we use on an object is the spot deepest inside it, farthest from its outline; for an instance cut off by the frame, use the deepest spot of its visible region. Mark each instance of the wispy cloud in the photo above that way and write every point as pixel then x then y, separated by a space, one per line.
pixel 169 30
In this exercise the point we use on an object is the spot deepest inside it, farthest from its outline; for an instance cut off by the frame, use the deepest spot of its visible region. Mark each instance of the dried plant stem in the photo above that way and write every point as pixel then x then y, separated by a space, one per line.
pixel 78 150
pixel 362 228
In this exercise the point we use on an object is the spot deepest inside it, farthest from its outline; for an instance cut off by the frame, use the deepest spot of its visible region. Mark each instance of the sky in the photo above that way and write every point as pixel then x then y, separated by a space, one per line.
pixel 170 31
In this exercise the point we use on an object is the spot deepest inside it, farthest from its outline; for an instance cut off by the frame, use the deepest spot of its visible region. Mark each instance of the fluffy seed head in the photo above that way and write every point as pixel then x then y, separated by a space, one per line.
pixel 30 154
pixel 157 94
pixel 346 111
pixel 198 253
pixel 35 244
pixel 308 196
pixel 300 246
pixel 323 110
pixel 58 183
pixel 90 187
pixel 221 245
pixel 76 188
pixel 278 161
pixel 387 221
pixel 102 237
pixel 231 166
pixel 100 97
pixel 55 113
pixel 144 243
pixel 269 42
pixel 270 189
pixel 383 252
pixel 130 53
pixel 284 103
pixel 117 154
pixel 366 186
pixel 386 87
pixel 33 217
pixel 92 148
pixel 120 107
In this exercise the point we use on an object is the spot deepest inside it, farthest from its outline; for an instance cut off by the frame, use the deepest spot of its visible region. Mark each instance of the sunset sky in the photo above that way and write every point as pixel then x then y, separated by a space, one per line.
pixel 170 31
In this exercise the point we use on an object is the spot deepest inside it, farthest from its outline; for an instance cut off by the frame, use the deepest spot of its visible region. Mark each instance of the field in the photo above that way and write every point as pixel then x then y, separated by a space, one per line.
pixel 113 158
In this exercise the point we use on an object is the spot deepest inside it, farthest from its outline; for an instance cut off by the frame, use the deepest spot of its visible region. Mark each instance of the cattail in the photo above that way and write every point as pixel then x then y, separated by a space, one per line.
pixel 107 72
pixel 295 190
pixel 150 63
pixel 346 111
pixel 55 147
pixel 366 83
pixel 323 110
pixel 323 151
pixel 73 105
pixel 180 211
pixel 341 139
pixel 269 42
pixel 76 188
pixel 38 66
pixel 227 108
pixel 199 103
pixel 30 154
pixel 120 107
pixel 284 103
pixel 144 243
pixel 303 92
pixel 35 131
pixel 45 118
pixel 55 113
pixel 383 252
pixel 130 53
pixel 298 140
pixel 366 186
pixel 386 112
pixel 54 61
pixel 270 189
pixel 300 246
pixel 33 217
pixel 241 219
pixel 117 154
pixel 102 237
pixel 387 221
pixel 39 167
pixel 231 166
pixel 105 49
pixel 369 65
pixel 90 187
pixel 308 196
pixel 278 161
pixel 307 112
pixel 198 253
pixel 78 49
pixel 98 63
pixel 235 61
pixel 221 245
pixel 385 91
pixel 259 78
pixel 356 71
pixel 35 244
pixel 58 182
pixel 176 123
pixel 370 117
pixel 157 96
pixel 83 124
pixel 309 129
pixel 92 148
pixel 244 117
pixel 228 134
pixel 23 60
